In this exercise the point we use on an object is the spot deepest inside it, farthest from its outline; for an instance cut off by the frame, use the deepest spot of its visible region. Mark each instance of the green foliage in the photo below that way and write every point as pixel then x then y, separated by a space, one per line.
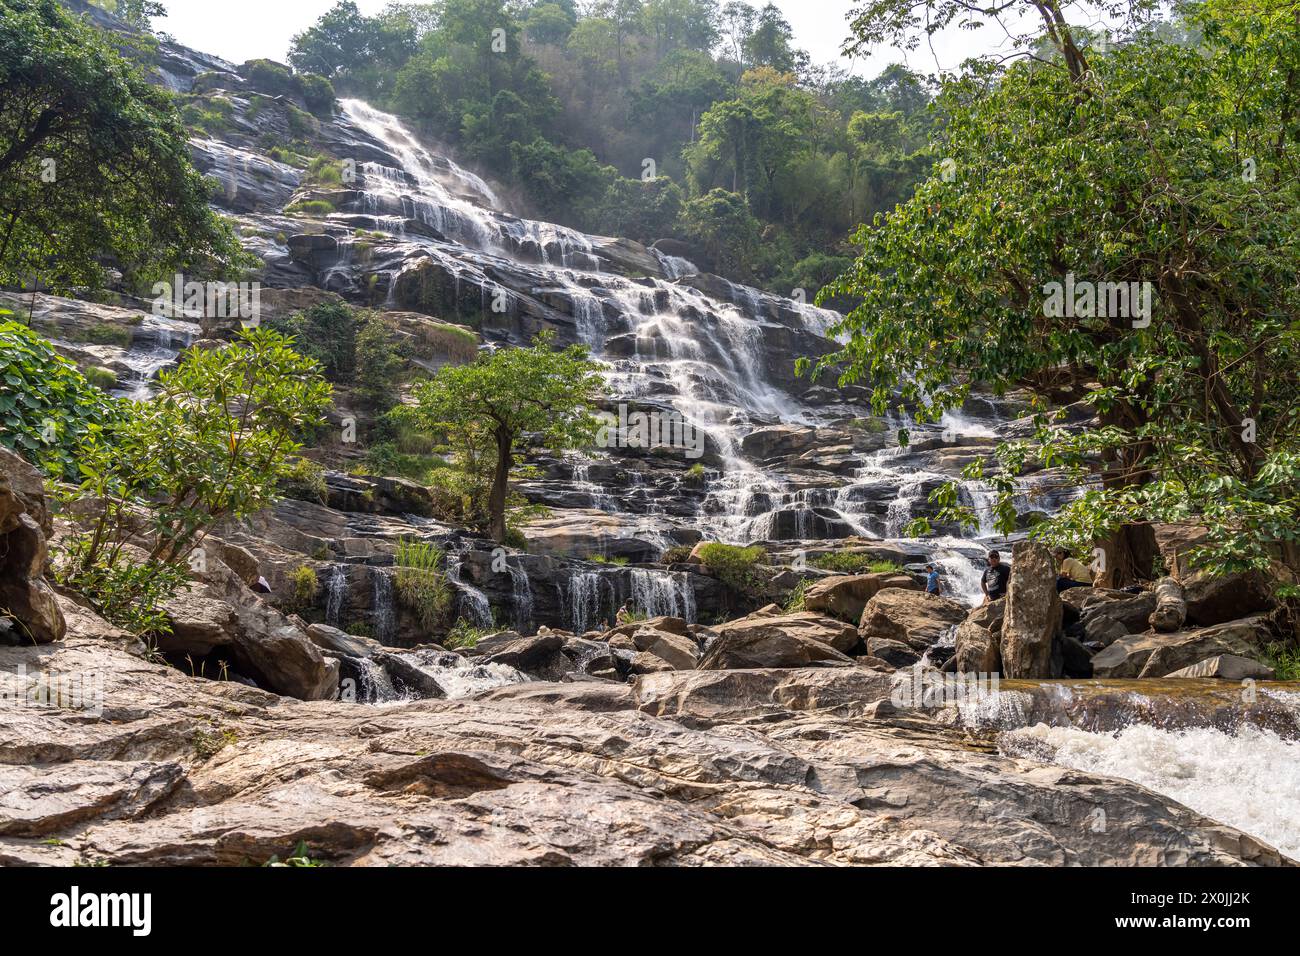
pixel 741 569
pixel 463 635
pixel 605 559
pixel 725 231
pixel 305 585
pixel 325 332
pixel 214 443
pixel 853 562
pixel 486 407
pixel 47 408
pixel 95 162
pixel 1285 661
pixel 421 585
pixel 678 555
pixel 1079 167
pixel 304 480
pixel 795 602
pixel 300 859
pixel 314 208
pixel 379 364
pixel 124 593
pixel 101 378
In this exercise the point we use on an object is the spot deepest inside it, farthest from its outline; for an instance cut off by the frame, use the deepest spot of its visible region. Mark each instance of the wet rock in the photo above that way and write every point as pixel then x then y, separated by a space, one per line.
pixel 1156 655
pixel 25 596
pixel 1033 613
pixel 541 656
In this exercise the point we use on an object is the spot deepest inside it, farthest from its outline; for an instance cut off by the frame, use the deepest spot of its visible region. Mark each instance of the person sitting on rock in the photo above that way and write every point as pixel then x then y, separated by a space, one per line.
pixel 932 580
pixel 994 581
pixel 1071 572
pixel 623 616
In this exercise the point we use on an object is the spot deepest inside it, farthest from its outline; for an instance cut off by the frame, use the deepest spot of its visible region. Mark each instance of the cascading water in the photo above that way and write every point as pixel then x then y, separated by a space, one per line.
pixel 521 599
pixel 660 593
pixel 383 617
pixel 472 604
pixel 336 587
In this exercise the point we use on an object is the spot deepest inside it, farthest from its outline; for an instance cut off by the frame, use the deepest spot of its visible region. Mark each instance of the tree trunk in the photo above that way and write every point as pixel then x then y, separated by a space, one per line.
pixel 1171 606
pixel 500 485
pixel 1129 557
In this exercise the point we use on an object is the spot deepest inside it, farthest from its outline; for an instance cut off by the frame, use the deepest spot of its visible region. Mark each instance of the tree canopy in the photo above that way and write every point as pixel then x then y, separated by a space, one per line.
pixel 94 161
pixel 1117 225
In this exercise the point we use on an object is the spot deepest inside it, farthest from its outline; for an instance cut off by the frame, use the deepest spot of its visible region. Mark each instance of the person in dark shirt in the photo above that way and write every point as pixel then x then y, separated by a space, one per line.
pixel 994 582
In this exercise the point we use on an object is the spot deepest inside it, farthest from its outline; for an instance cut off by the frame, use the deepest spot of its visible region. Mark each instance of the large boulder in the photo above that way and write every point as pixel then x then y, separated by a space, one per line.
pixel 787 640
pixel 898 618
pixel 1158 655
pixel 1033 614
pixel 25 527
pixel 677 652
pixel 846 595
pixel 1211 599
pixel 979 650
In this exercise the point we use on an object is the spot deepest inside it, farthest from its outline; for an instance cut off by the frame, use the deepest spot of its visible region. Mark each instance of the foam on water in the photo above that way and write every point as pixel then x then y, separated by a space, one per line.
pixel 1249 779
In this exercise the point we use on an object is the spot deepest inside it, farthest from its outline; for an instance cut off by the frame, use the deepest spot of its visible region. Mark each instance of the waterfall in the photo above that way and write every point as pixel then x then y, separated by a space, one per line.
pixel 459 676
pixel 521 598
pixel 472 604
pixel 382 598
pixel 663 593
pixel 376 687
pixel 335 594
pixel 586 601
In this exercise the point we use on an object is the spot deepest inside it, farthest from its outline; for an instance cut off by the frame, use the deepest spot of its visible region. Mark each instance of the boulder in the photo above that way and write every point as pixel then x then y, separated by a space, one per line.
pixel 979 649
pixel 1231 597
pixel 1226 667
pixel 846 595
pixel 679 653
pixel 25 527
pixel 541 656
pixel 827 630
pixel 335 642
pixel 1157 655
pixel 668 625
pixel 199 625
pixel 1033 613
pixel 791 640
pixel 912 618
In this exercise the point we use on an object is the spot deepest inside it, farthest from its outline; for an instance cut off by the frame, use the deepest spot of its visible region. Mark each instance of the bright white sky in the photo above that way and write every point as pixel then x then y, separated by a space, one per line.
pixel 239 30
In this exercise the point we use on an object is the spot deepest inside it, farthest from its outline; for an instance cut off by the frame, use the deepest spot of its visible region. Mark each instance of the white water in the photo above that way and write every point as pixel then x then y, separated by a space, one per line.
pixel 1249 779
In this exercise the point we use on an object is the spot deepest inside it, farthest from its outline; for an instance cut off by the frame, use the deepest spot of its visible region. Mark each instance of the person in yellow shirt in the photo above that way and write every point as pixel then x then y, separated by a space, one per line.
pixel 1071 572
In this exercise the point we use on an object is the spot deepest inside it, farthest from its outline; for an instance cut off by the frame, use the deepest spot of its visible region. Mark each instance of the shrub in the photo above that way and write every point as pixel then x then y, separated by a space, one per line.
pixel 463 634
pixel 101 378
pixel 855 562
pixel 316 208
pixel 694 475
pixel 305 481
pixel 124 593
pixel 305 584
pixel 737 567
pixel 105 333
pixel 678 555
pixel 795 602
pixel 379 364
pixel 421 586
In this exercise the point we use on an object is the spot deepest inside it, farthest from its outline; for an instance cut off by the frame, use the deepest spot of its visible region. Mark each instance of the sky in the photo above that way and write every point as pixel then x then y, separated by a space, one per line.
pixel 240 30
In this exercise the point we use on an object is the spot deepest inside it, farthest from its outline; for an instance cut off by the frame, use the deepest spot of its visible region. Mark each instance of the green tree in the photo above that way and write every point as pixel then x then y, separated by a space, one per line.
pixel 1157 183
pixel 538 392
pixel 94 161
pixel 725 230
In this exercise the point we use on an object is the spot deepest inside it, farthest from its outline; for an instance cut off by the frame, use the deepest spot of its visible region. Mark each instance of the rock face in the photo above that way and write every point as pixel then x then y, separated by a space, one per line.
pixel 24 531
pixel 899 624
pixel 1158 655
pixel 846 596
pixel 1033 613
pixel 190 772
